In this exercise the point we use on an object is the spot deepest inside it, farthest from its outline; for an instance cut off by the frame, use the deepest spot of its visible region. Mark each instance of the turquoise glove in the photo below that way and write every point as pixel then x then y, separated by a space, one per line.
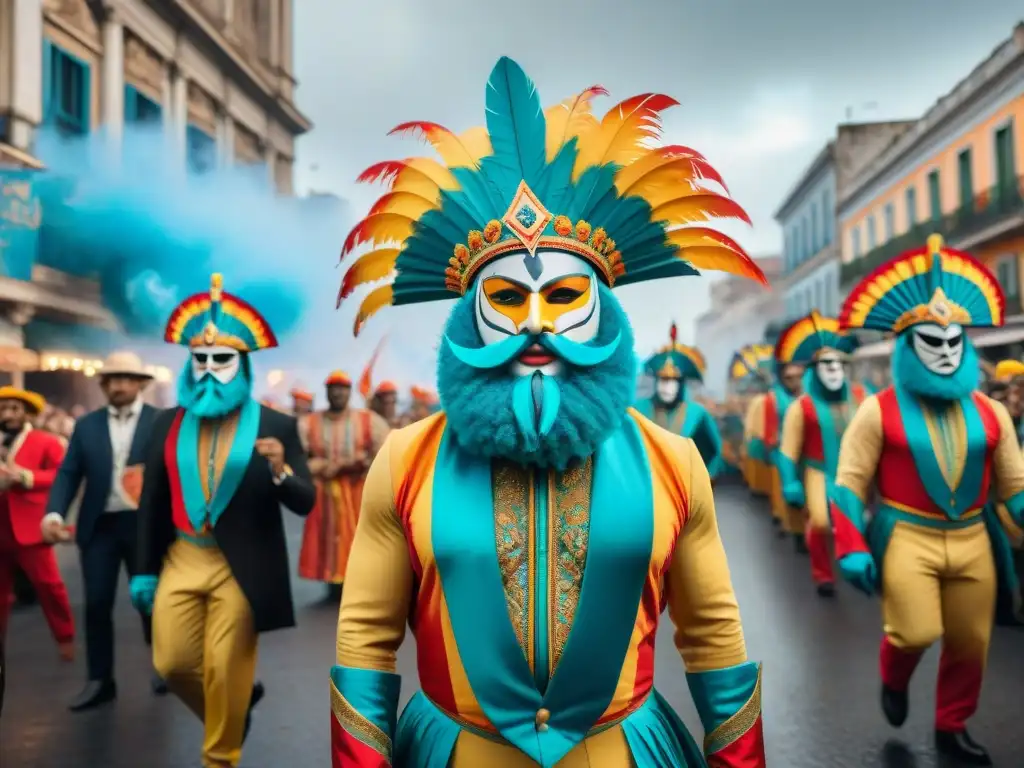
pixel 859 569
pixel 143 590
pixel 794 495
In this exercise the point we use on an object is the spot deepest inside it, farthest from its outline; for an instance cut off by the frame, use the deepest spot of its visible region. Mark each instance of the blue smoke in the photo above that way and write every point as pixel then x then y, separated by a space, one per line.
pixel 152 233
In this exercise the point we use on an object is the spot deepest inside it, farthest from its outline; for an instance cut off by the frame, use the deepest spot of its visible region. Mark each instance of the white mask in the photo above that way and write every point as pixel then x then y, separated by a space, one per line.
pixel 940 349
pixel 831 371
pixel 223 363
pixel 551 292
pixel 667 390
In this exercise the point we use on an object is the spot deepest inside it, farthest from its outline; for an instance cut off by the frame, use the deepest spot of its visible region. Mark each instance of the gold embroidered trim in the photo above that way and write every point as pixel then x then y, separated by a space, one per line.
pixel 737 725
pixel 570 506
pixel 512 537
pixel 357 725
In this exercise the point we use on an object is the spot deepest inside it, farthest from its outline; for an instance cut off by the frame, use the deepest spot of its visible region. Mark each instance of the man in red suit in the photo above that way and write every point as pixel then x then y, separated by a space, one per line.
pixel 29 460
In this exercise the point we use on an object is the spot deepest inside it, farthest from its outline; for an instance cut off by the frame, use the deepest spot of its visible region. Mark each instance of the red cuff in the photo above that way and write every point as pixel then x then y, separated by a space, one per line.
pixel 745 752
pixel 349 752
pixel 846 536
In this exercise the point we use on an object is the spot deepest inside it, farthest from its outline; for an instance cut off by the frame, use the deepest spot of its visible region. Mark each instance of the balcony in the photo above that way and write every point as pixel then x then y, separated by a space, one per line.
pixel 991 214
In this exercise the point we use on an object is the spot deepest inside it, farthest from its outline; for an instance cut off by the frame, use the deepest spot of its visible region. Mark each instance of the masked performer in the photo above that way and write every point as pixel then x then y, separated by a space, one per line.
pixel 746 371
pixel 935 448
pixel 786 387
pixel 672 366
pixel 214 562
pixel 29 461
pixel 811 431
pixel 533 530
pixel 342 443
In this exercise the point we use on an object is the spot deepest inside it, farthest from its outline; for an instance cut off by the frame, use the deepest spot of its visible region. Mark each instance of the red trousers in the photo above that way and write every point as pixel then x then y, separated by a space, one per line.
pixel 40 566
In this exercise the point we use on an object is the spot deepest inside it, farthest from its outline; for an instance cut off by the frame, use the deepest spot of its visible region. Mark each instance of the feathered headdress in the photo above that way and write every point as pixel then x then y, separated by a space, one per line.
pixel 934 284
pixel 1007 370
pixel 751 360
pixel 558 179
pixel 806 339
pixel 218 319
pixel 677 361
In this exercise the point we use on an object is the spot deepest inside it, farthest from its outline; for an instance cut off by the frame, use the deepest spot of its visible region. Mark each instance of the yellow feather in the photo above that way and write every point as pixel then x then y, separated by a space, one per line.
pixel 721 259
pixel 374 301
pixel 663 186
pixel 433 170
pixel 622 134
pixel 368 268
pixel 477 142
pixel 405 204
pixel 380 228
pixel 570 118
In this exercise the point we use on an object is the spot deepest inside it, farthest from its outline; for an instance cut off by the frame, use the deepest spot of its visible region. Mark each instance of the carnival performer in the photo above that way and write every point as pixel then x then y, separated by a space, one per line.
pixel 213 567
pixel 670 408
pixel 384 403
pixel 302 408
pixel 539 650
pixel 935 448
pixel 811 430
pixel 29 461
pixel 746 370
pixel 422 401
pixel 786 387
pixel 342 442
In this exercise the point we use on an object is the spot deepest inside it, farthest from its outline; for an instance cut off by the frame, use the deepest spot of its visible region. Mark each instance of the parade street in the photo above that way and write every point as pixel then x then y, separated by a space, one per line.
pixel 820 679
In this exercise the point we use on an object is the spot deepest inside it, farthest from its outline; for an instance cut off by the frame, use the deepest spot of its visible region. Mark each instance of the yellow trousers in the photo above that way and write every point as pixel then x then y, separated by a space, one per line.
pixel 204 645
pixel 607 749
pixel 791 518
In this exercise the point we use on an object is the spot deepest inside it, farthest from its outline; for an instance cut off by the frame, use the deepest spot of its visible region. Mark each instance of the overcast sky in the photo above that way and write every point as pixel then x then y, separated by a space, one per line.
pixel 761 86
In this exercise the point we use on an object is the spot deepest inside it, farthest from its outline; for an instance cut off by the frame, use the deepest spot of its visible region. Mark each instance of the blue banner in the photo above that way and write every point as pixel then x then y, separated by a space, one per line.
pixel 20 217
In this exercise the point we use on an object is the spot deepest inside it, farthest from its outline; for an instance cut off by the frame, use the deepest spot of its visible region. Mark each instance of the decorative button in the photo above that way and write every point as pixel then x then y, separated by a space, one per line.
pixel 542 718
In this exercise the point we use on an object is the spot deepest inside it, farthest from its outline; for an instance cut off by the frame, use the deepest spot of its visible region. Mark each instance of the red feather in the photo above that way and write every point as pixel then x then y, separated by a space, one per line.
pixel 422 127
pixel 673 333
pixel 382 172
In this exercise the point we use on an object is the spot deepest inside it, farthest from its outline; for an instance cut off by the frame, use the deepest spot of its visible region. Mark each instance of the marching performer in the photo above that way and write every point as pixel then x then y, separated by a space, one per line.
pixel 745 369
pixel 812 428
pixel 538 649
pixel 29 461
pixel 384 403
pixel 935 448
pixel 672 366
pixel 342 442
pixel 302 408
pixel 214 563
pixel 421 405
pixel 786 387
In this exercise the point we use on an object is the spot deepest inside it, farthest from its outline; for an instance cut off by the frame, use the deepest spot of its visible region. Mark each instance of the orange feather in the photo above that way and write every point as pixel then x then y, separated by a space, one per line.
pixel 651 159
pixel 379 228
pixel 690 237
pixel 570 118
pixel 409 175
pixel 721 259
pixel 701 207
pixel 456 151
pixel 623 132
pixel 660 184
pixel 405 204
pixel 375 300
pixel 372 266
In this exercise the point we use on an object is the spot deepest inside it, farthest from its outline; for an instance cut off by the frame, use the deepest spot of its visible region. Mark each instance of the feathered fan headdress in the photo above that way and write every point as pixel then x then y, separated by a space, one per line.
pixel 753 360
pixel 804 340
pixel 677 361
pixel 558 179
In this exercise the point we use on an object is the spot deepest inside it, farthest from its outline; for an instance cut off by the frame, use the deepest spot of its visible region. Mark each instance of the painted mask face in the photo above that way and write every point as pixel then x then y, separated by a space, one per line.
pixel 667 390
pixel 550 292
pixel 940 349
pixel 831 371
pixel 223 363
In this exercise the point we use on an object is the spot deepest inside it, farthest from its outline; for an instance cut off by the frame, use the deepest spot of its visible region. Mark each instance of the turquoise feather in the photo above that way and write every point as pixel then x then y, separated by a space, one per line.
pixel 516 124
pixel 555 185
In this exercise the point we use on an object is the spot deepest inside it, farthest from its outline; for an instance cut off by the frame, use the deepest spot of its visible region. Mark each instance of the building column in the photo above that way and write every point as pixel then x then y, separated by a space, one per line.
pixel 26 54
pixel 274 34
pixel 225 139
pixel 13 332
pixel 177 120
pixel 112 92
pixel 270 159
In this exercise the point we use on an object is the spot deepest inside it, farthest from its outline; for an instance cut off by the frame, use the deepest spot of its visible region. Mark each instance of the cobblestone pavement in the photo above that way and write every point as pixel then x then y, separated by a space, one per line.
pixel 820 689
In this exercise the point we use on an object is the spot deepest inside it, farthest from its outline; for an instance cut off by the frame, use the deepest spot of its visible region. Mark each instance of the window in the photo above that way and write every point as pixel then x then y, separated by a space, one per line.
pixel 966 180
pixel 1006 272
pixel 139 108
pixel 872 235
pixel 1006 171
pixel 808 248
pixel 856 242
pixel 934 195
pixel 814 228
pixel 818 297
pixel 911 207
pixel 829 308
pixel 826 217
pixel 201 150
pixel 66 91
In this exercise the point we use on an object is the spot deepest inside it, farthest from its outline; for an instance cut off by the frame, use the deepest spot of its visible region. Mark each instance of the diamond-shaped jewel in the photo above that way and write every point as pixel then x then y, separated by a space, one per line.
pixel 939 307
pixel 526 217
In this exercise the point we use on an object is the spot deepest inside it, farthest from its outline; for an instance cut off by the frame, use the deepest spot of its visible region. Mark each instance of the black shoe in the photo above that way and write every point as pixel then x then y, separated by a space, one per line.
pixel 776 522
pixel 895 705
pixel 158 685
pixel 95 694
pixel 257 695
pixel 826 589
pixel 961 747
pixel 799 544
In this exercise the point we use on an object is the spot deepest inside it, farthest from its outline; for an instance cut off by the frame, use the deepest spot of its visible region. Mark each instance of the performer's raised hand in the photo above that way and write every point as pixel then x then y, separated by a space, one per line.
pixel 271 449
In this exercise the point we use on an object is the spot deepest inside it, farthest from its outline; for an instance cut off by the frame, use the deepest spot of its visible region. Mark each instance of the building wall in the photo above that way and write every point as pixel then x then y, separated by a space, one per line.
pixel 818 289
pixel 990 99
pixel 218 72
pixel 810 224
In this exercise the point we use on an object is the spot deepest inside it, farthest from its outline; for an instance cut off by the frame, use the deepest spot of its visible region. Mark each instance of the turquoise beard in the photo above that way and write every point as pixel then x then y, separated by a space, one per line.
pixel 208 398
pixel 537 419
pixel 911 375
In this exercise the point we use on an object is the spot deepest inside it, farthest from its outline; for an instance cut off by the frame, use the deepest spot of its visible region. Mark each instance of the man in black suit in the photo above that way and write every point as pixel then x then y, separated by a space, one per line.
pixel 106 453
pixel 213 561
